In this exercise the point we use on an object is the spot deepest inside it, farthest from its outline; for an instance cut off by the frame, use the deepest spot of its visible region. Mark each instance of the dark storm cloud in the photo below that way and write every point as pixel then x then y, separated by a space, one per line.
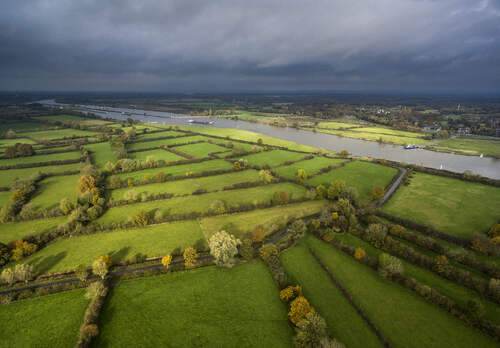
pixel 406 45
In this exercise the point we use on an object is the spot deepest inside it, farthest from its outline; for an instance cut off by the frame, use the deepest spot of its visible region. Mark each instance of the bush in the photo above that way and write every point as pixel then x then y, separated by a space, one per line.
pixel 66 206
pixel 100 268
pixel 494 231
pixel 299 308
pixel 8 276
pixel 290 292
pixel 81 272
pixel 258 235
pixel 88 332
pixel 223 247
pixel 378 193
pixel 311 331
pixel 297 230
pixel 166 260
pixel 335 189
pixel 246 249
pixel 23 272
pixel 375 234
pixel 389 265
pixel 96 290
pixel 218 207
pixel 359 254
pixel 280 197
pixel 141 218
pixel 268 250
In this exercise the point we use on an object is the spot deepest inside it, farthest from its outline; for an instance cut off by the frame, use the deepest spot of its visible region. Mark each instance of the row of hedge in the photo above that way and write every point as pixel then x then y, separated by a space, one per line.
pixel 41 164
pixel 161 164
pixel 429 294
pixel 381 240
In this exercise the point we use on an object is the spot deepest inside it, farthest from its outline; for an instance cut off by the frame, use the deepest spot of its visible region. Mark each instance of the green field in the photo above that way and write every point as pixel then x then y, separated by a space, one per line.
pixel 457 293
pixel 388 131
pixel 51 190
pixel 208 307
pixel 337 125
pixel 403 316
pixel 162 142
pixel 270 219
pixel 158 154
pixel 10 142
pixel 311 166
pixel 361 175
pixel 238 145
pixel 159 135
pixel 9 175
pixel 469 146
pixel 158 240
pixel 58 134
pixel 453 206
pixel 343 321
pixel 16 230
pixel 100 154
pixel 63 156
pixel 46 321
pixel 273 158
pixel 200 167
pixel 201 203
pixel 201 150
pixel 392 139
pixel 81 120
pixel 188 186
pixel 20 126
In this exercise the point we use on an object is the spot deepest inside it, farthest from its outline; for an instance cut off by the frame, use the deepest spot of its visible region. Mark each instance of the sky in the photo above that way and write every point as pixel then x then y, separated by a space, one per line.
pixel 185 46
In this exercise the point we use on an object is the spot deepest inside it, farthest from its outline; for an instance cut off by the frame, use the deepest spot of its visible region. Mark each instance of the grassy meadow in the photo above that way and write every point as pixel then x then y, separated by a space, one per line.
pixel 63 156
pixel 100 154
pixel 52 189
pixel 9 175
pixel 273 158
pixel 312 166
pixel 201 150
pixel 11 231
pixel 158 154
pixel 469 146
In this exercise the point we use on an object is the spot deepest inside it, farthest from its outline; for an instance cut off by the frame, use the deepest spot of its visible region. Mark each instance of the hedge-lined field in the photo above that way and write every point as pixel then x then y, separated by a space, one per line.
pixel 47 321
pixel 72 118
pixel 20 126
pixel 201 150
pixel 158 240
pixel 16 230
pixel 200 167
pixel 164 142
pixel 58 133
pixel 100 154
pixel 5 197
pixel 381 130
pixel 201 203
pixel 157 155
pixel 361 175
pixel 188 186
pixel 273 158
pixel 9 175
pixel 10 142
pixel 454 206
pixel 208 307
pixel 393 139
pixel 237 145
pixel 470 146
pixel 239 224
pixel 403 316
pixel 63 156
pixel 159 134
pixel 51 190
pixel 342 319
pixel 311 166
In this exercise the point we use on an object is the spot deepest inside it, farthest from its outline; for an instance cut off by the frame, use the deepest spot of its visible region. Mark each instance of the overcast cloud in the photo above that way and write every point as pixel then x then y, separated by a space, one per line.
pixel 443 46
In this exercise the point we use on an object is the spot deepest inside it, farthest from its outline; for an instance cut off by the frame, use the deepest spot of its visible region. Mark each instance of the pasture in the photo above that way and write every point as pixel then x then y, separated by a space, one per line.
pixel 311 166
pixel 52 189
pixel 100 154
pixel 59 134
pixel 158 154
pixel 359 174
pixel 207 307
pixel 201 150
pixel 12 231
pixel 63 156
pixel 273 158
pixel 453 206
pixel 163 142
pixel 469 146
pixel 9 175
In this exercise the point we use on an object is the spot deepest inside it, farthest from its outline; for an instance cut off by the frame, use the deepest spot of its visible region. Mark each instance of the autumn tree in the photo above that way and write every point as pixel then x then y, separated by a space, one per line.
pixel 359 254
pixel 190 257
pixel 258 235
pixel 299 308
pixel 96 290
pixel 265 176
pixel 301 176
pixel 389 265
pixel 101 266
pixel 86 183
pixel 378 193
pixel 268 250
pixel 141 218
pixel 166 260
pixel 8 276
pixel 223 247
pixel 335 189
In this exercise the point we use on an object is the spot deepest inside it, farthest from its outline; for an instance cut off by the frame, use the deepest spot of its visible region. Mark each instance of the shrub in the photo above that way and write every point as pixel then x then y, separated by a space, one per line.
pixel 494 287
pixel 475 310
pixel 81 272
pixel 86 183
pixel 389 265
pixel 23 273
pixel 258 235
pixel 359 254
pixel 481 244
pixel 494 231
pixel 8 276
pixel 344 153
pixel 310 331
pixel 246 249
pixel 397 230
pixel 290 292
pixel 141 218
pixel 265 176
pixel 237 165
pixel 96 290
pixel 21 248
pixel 335 189
pixel 268 250
pixel 297 230
pixel 218 207
pixel 442 264
pixel 378 193
pixel 223 247
pixel 301 175
pixel 166 260
pixel 66 206
pixel 280 197
pixel 190 257
pixel 299 308
pixel 100 268
pixel 375 234
pixel 320 191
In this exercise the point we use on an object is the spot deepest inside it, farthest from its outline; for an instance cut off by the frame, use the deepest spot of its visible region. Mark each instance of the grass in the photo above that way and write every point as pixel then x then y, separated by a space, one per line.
pixel 201 150
pixel 273 157
pixel 58 134
pixel 200 167
pixel 392 139
pixel 403 316
pixel 163 142
pixel 20 126
pixel 158 154
pixel 470 146
pixel 200 203
pixel 16 230
pixel 5 197
pixel 453 206
pixel 8 176
pixel 337 125
pixel 344 323
pixel 451 289
pixel 52 189
pixel 240 134
pixel 159 134
pixel 359 174
pixel 10 142
pixel 388 131
pixel 311 166
pixel 72 155
pixel 46 321
pixel 157 240
pixel 207 307
pixel 100 154
pixel 238 145
pixel 81 120
pixel 188 186
pixel 271 219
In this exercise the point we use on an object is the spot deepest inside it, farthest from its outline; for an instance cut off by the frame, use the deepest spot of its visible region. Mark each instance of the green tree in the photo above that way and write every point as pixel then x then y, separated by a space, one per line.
pixel 23 272
pixel 100 267
pixel 265 176
pixel 335 189
pixel 310 331
pixel 141 218
pixel 297 229
pixel 66 206
pixel 8 276
pixel 301 176
pixel 81 272
pixel 96 290
pixel 190 257
pixel 378 193
pixel 246 249
pixel 389 265
pixel 268 250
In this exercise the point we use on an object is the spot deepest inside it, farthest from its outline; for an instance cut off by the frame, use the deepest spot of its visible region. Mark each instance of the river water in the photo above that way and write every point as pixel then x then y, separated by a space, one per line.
pixel 486 166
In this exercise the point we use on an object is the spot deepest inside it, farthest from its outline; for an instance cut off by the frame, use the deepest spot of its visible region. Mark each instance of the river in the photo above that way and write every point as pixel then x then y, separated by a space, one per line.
pixel 486 166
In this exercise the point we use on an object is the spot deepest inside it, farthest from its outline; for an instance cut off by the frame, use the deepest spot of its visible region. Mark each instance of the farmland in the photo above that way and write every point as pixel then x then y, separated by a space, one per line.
pixel 273 158
pixel 51 190
pixel 469 146
pixel 72 155
pixel 435 201
pixel 9 175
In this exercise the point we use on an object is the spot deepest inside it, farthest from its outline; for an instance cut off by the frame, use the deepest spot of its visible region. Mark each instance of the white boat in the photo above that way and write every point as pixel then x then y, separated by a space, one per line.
pixel 481 156
pixel 410 147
